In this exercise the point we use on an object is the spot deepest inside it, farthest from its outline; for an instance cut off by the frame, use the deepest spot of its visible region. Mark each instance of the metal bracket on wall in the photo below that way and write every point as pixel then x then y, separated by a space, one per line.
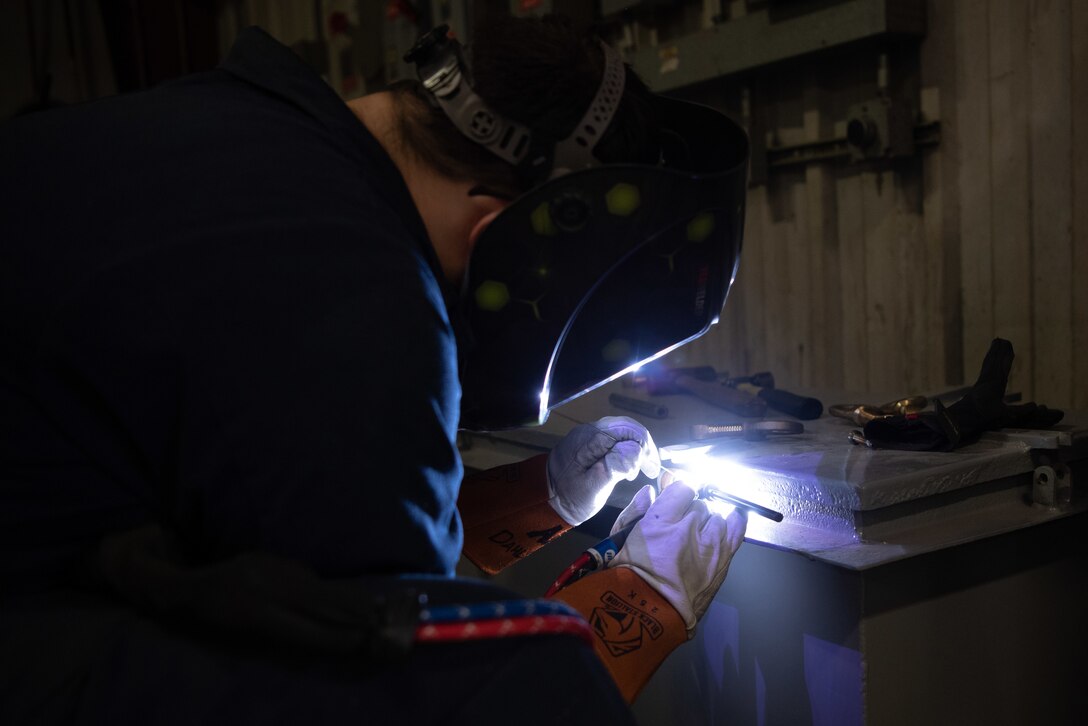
pixel 769 34
pixel 845 149
pixel 879 129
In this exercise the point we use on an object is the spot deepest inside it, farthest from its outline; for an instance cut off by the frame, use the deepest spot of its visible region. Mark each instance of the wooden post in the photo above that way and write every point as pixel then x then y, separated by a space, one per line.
pixel 1010 185
pixel 973 125
pixel 1051 129
pixel 1078 88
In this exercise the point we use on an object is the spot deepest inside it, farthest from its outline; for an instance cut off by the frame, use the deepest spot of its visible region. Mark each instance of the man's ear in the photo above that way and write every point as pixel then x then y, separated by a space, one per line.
pixel 489 207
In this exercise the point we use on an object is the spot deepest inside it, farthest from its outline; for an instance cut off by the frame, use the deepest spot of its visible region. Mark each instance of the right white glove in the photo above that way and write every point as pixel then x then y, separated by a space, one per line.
pixel 679 548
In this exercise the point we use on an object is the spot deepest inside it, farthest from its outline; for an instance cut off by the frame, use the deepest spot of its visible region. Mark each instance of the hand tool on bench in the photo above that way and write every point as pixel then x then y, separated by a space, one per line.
pixel 863 413
pixel 701 382
pixel 803 407
pixel 749 430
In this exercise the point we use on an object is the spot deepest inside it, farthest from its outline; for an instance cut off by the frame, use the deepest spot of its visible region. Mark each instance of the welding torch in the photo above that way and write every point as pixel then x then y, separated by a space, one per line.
pixel 711 492
pixel 599 555
pixel 603 552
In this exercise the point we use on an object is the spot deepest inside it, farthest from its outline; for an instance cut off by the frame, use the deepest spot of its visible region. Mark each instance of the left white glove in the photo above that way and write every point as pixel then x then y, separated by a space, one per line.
pixel 590 460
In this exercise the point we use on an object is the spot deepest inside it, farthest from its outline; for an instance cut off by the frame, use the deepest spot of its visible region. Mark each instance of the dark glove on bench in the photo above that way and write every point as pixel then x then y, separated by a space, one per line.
pixel 982 409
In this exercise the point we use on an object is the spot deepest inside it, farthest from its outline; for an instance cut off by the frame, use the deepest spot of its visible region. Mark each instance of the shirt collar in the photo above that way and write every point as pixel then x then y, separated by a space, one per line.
pixel 259 59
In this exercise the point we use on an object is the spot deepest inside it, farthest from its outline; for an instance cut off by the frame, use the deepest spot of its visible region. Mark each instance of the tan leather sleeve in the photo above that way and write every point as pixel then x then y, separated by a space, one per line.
pixel 634 628
pixel 506 515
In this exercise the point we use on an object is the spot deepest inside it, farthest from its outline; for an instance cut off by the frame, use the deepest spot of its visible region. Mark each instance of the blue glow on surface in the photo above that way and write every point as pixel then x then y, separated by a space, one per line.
pixel 761 696
pixel 833 677
pixel 721 631
pixel 716 674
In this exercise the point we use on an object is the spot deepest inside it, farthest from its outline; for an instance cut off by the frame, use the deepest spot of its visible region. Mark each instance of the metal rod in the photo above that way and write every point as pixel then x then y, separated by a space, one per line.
pixel 708 492
pixel 712 493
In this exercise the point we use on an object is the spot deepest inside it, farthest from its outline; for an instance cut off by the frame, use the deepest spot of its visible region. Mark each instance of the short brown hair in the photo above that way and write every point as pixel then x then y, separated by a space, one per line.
pixel 538 72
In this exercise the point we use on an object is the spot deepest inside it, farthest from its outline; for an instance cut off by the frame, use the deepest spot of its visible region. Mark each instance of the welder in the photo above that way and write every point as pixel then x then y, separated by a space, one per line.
pixel 237 316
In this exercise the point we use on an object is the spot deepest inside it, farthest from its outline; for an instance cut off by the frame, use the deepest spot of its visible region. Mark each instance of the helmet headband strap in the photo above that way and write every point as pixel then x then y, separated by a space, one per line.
pixel 445 75
pixel 576 151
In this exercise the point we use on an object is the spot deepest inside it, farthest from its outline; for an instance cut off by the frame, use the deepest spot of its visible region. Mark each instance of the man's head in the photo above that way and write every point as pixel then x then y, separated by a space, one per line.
pixel 582 266
pixel 537 72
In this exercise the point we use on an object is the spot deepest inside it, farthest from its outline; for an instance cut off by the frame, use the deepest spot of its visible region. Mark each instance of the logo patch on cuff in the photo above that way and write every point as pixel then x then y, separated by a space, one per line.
pixel 622 626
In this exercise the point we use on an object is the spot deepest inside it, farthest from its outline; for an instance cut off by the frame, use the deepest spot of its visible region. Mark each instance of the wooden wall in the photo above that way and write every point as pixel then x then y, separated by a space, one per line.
pixel 896 280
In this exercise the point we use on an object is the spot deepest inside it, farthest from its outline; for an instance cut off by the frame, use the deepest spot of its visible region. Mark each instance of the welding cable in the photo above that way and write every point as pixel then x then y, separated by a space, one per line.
pixel 573 573
pixel 505 619
pixel 595 558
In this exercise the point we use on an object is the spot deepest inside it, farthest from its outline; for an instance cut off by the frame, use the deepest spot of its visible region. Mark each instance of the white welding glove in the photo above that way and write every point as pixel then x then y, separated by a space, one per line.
pixel 588 463
pixel 678 547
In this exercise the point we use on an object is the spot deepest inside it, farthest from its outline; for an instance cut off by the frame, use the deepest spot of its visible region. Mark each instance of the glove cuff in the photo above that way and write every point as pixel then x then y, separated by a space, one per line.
pixel 506 514
pixel 634 628
pixel 676 598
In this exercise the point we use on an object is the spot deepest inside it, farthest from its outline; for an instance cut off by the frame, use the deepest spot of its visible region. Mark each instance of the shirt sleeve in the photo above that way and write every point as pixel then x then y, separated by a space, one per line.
pixel 292 391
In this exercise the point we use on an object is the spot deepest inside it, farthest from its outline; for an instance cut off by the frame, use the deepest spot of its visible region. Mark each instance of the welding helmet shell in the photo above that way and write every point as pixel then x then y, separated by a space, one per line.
pixel 595 272
pixel 600 267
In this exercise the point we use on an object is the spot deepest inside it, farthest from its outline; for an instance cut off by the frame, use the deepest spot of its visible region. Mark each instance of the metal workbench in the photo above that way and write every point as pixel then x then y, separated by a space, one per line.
pixel 902 587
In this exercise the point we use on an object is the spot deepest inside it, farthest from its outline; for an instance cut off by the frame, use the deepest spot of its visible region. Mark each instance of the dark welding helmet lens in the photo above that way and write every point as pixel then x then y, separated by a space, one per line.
pixel 592 273
pixel 663 294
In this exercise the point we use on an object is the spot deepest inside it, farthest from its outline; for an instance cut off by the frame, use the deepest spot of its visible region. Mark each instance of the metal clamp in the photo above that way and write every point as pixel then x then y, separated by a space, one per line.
pixel 861 413
pixel 752 431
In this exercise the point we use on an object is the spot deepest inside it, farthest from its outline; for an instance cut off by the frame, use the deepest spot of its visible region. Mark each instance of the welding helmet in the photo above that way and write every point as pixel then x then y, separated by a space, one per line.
pixel 599 268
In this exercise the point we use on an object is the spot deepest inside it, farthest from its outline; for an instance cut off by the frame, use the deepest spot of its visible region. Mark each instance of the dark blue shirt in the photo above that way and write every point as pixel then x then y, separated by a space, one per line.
pixel 220 311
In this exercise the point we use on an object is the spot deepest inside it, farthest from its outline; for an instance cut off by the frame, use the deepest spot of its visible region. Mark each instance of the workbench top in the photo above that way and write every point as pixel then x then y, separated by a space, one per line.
pixel 843 503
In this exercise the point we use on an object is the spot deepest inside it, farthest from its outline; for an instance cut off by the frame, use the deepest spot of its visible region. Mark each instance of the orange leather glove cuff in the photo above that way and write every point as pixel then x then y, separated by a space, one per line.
pixel 634 627
pixel 506 515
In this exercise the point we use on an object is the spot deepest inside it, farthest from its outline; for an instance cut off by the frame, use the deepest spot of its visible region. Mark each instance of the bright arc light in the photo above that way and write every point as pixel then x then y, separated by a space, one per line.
pixel 695 467
pixel 692 466
pixel 732 477
pixel 720 508
pixel 696 479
